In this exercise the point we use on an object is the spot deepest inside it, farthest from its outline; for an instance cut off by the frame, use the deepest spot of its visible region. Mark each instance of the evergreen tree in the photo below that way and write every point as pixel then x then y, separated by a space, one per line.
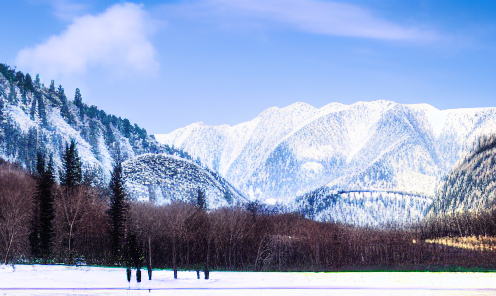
pixel 41 109
pixel 28 83
pixel 1 110
pixel 117 210
pixel 201 200
pixel 78 101
pixel 37 81
pixel 19 78
pixel 64 109
pixel 32 112
pixel 71 176
pixel 12 94
pixel 7 72
pixel 61 95
pixel 52 87
pixel 127 128
pixel 41 237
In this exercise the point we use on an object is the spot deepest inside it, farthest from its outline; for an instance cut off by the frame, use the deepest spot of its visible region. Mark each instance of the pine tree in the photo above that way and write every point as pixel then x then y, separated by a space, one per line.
pixel 64 109
pixel 1 110
pixel 71 176
pixel 41 109
pixel 41 237
pixel 37 81
pixel 117 210
pixel 78 101
pixel 19 78
pixel 201 200
pixel 28 83
pixel 32 112
pixel 52 87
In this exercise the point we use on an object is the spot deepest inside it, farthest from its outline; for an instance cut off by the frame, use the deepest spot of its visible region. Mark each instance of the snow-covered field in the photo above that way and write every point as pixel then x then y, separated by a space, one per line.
pixel 66 280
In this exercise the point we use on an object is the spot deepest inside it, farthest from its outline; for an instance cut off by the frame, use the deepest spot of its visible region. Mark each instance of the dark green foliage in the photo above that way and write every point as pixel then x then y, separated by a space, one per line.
pixel 78 102
pixel 64 108
pixel 12 98
pixel 37 81
pixel 19 78
pixel 1 110
pixel 32 112
pixel 41 109
pixel 24 98
pixel 41 237
pixel 28 83
pixel 117 211
pixel 126 128
pixel 71 175
pixel 52 87
pixel 7 72
pixel 201 200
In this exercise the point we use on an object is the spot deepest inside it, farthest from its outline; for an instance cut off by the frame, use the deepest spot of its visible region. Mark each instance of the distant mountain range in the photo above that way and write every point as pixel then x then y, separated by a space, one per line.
pixel 381 146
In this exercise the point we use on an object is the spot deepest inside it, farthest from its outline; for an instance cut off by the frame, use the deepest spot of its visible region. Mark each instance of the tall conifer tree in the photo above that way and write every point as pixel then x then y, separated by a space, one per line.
pixel 71 176
pixel 41 237
pixel 117 210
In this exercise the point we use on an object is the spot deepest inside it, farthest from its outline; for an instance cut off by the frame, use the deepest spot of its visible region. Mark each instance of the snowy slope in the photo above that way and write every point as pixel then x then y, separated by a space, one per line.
pixel 471 185
pixel 284 153
pixel 33 120
pixel 164 178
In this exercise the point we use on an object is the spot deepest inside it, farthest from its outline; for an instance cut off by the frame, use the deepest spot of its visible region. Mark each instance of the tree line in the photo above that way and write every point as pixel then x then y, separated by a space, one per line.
pixel 76 223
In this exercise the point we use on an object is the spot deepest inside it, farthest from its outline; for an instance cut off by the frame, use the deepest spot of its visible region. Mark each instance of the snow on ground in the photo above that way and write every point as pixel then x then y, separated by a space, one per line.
pixel 64 280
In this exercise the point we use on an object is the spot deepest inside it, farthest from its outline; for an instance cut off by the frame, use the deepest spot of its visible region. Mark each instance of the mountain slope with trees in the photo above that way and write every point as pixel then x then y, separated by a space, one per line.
pixel 35 118
pixel 471 185
pixel 163 178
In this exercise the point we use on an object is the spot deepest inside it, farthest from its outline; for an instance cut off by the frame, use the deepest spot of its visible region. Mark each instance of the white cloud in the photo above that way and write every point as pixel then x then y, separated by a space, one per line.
pixel 116 39
pixel 319 17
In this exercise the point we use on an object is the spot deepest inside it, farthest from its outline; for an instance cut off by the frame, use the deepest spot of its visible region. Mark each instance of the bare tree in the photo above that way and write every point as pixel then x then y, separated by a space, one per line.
pixel 176 216
pixel 146 222
pixel 15 203
pixel 71 205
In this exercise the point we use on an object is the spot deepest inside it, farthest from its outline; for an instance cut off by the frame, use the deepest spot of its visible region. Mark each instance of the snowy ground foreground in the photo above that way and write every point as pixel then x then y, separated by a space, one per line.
pixel 64 280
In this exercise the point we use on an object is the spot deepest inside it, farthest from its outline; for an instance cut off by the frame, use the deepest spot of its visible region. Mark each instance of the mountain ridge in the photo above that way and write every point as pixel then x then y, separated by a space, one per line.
pixel 359 141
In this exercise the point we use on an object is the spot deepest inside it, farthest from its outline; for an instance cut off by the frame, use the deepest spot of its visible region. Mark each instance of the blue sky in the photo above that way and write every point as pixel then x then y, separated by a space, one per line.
pixel 166 64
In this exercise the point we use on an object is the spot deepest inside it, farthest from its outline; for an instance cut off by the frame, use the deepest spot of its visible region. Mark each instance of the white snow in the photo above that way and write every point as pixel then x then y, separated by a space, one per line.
pixel 63 280
pixel 408 141
pixel 21 118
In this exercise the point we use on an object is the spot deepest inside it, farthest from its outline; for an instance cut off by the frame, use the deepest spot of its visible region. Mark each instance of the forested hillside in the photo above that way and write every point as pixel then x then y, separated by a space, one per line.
pixel 37 118
pixel 471 185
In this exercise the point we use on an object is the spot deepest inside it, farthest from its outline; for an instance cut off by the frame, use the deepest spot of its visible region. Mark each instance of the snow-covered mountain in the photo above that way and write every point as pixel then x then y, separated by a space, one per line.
pixel 285 153
pixel 35 118
pixel 164 178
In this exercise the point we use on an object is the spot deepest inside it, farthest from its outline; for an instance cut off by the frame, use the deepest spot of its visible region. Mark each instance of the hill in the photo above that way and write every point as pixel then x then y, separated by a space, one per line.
pixel 164 178
pixel 471 185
